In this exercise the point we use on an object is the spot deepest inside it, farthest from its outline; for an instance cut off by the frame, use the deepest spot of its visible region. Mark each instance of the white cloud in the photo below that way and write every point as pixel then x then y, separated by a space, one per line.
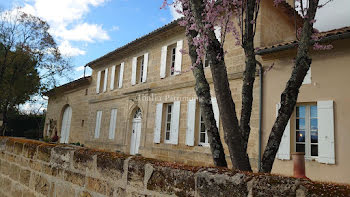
pixel 66 19
pixel 173 11
pixel 80 68
pixel 83 32
pixel 67 50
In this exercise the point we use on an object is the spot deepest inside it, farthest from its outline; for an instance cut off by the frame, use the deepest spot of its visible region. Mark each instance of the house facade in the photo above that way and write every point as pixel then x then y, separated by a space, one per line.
pixel 140 99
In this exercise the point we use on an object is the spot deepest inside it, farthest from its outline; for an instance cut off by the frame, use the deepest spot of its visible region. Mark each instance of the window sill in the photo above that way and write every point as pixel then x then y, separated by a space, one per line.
pixel 204 145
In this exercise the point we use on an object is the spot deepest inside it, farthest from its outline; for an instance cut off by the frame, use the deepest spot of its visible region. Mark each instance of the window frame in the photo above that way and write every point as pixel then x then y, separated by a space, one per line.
pixel 141 69
pixel 172 61
pixel 308 130
pixel 166 121
pixel 116 76
pixel 102 81
pixel 206 143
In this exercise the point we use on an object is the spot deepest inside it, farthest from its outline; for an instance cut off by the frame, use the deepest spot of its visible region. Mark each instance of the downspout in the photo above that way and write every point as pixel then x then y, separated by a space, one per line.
pixel 260 112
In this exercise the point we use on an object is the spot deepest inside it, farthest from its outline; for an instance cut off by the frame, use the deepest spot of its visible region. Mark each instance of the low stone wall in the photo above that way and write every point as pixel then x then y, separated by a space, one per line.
pixel 31 168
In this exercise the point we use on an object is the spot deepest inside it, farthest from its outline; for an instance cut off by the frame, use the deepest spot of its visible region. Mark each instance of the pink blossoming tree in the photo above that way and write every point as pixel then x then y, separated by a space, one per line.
pixel 202 18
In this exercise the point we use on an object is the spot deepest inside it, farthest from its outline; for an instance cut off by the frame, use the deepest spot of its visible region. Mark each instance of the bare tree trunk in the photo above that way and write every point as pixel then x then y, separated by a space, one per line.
pixel 202 89
pixel 232 134
pixel 249 73
pixel 290 94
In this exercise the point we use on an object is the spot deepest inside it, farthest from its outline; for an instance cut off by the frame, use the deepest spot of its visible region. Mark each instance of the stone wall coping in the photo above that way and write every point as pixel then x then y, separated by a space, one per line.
pixel 107 173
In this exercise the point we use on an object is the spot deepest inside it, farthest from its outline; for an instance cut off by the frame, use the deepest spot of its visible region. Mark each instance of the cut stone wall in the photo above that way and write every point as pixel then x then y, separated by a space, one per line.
pixel 32 168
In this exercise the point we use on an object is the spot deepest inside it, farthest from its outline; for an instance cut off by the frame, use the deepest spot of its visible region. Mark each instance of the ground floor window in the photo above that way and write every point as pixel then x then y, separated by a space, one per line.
pixel 168 117
pixel 203 136
pixel 306 133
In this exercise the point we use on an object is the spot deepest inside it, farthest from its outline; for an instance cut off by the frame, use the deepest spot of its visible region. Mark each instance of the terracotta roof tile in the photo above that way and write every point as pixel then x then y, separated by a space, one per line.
pixel 322 36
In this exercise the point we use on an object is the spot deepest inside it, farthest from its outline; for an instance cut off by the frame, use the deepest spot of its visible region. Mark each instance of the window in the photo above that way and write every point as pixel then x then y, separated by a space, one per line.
pixel 86 91
pixel 203 136
pixel 98 124
pixel 116 76
pixel 306 133
pixel 112 124
pixel 102 80
pixel 168 116
pixel 140 67
pixel 171 59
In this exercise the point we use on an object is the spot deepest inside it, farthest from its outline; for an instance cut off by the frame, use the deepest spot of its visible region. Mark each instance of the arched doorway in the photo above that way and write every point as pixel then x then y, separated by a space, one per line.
pixel 136 132
pixel 65 126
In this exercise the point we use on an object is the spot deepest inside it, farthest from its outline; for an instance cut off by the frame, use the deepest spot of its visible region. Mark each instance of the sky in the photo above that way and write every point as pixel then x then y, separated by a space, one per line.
pixel 88 29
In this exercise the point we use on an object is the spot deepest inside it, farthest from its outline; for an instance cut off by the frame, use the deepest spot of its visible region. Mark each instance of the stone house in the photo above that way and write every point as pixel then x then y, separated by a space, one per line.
pixel 140 99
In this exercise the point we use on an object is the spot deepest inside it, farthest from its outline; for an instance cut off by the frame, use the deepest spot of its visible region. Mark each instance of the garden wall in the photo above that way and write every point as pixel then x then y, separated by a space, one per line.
pixel 32 168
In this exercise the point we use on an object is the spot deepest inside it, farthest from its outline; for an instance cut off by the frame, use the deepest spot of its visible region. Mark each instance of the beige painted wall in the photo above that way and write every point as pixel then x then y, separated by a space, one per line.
pixel 330 81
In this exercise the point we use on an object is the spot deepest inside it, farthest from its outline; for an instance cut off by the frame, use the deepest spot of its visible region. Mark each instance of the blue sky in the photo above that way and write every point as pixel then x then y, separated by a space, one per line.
pixel 88 29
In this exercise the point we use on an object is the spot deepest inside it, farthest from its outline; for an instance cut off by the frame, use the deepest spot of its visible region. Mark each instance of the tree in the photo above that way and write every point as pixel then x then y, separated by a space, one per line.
pixel 27 52
pixel 20 81
pixel 201 17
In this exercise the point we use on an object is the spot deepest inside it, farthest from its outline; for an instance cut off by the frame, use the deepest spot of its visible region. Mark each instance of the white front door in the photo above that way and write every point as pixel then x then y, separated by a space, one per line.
pixel 135 136
pixel 65 127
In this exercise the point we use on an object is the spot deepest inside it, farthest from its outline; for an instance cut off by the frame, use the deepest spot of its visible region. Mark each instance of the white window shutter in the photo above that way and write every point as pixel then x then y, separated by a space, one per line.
pixel 105 81
pixel 133 71
pixel 214 103
pixel 98 82
pixel 121 74
pixel 307 79
pixel 112 78
pixel 175 120
pixel 163 62
pixel 145 67
pixel 178 57
pixel 284 148
pixel 98 124
pixel 158 123
pixel 112 124
pixel 191 122
pixel 325 114
pixel 217 30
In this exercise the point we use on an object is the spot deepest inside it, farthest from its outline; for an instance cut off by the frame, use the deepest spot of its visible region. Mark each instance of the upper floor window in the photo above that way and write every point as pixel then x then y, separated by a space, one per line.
pixel 139 69
pixel 171 59
pixel 306 133
pixel 101 83
pixel 117 76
